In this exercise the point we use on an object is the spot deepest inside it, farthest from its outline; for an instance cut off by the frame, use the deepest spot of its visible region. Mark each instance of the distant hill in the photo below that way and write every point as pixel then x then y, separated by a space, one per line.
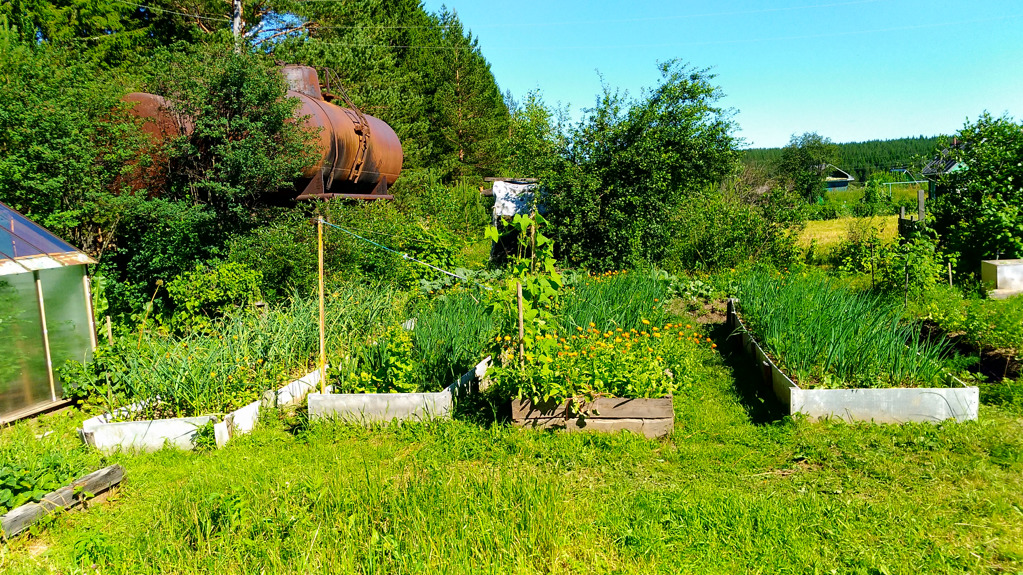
pixel 860 159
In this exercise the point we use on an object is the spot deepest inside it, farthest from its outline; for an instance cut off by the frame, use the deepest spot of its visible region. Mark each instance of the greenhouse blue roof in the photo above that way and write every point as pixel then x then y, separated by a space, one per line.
pixel 26 246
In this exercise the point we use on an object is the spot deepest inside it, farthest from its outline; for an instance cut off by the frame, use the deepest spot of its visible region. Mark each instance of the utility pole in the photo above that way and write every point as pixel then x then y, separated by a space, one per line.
pixel 236 25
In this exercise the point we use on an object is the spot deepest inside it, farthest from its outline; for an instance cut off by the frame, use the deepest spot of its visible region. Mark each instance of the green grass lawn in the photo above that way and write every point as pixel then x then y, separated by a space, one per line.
pixel 735 489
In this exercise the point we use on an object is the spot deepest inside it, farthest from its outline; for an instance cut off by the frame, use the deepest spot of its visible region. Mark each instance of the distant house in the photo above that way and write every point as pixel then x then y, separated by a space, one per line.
pixel 837 180
pixel 943 163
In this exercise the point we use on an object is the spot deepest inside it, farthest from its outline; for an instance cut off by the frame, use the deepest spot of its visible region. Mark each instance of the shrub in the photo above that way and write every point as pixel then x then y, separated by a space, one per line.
pixel 211 291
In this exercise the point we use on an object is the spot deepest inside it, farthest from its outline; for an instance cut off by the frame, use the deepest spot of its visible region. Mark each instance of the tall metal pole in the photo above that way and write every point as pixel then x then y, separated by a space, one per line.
pixel 323 328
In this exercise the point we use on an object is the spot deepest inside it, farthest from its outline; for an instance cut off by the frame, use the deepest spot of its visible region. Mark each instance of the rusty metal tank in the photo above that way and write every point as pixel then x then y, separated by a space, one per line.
pixel 360 156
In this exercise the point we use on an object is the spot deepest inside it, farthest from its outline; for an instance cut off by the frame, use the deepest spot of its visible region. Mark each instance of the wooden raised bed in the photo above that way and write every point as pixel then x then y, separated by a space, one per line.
pixel 652 418
pixel 958 402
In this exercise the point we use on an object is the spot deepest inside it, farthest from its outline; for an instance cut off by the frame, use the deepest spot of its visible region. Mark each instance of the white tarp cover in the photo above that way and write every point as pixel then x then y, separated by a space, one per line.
pixel 511 198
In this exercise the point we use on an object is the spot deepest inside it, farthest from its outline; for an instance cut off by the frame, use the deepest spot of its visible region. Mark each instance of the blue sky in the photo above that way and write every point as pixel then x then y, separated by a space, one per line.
pixel 851 70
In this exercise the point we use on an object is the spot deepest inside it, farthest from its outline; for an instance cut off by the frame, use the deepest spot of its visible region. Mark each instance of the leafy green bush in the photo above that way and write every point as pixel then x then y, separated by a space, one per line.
pixel 711 231
pixel 211 291
pixel 979 207
pixel 611 184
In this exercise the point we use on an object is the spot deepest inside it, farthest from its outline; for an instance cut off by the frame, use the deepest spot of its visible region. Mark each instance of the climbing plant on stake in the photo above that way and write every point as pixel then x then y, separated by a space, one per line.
pixel 536 270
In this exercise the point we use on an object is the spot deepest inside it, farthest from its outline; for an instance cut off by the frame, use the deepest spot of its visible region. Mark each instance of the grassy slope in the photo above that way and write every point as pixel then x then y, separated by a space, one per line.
pixel 727 493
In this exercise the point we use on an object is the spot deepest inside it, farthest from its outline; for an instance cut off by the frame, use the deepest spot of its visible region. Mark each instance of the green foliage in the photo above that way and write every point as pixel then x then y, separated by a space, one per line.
pixel 610 181
pixel 804 164
pixel 588 363
pixel 211 291
pixel 827 336
pixel 383 365
pixel 243 145
pixel 862 159
pixel 979 211
pixel 20 485
pixel 712 231
pixel 232 362
pixel 283 254
pixel 451 335
pixel 615 300
pixel 386 224
pixel 65 142
pixel 92 548
pixel 909 266
pixel 986 323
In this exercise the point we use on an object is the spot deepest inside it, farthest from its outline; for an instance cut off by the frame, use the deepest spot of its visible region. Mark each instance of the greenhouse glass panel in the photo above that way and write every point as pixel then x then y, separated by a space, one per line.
pixel 24 379
pixel 67 318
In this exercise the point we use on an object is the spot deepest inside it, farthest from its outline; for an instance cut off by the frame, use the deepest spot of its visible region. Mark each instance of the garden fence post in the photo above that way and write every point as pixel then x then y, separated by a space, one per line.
pixel 323 329
pixel 522 330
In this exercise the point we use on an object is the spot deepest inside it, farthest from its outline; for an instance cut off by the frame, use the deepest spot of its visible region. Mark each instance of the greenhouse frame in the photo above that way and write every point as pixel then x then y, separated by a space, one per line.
pixel 45 315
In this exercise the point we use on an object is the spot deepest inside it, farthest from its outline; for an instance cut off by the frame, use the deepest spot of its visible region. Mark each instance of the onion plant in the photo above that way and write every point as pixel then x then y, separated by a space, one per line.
pixel 612 300
pixel 234 362
pixel 828 336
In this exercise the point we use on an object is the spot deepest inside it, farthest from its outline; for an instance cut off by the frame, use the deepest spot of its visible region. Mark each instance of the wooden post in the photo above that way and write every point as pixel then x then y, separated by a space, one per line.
pixel 88 306
pixel 949 274
pixel 46 336
pixel 921 213
pixel 323 318
pixel 902 212
pixel 522 329
pixel 110 331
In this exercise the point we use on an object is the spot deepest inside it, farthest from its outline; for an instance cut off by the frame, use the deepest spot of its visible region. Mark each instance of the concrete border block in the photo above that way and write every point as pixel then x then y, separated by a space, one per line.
pixel 891 405
pixel 383 407
pixel 109 436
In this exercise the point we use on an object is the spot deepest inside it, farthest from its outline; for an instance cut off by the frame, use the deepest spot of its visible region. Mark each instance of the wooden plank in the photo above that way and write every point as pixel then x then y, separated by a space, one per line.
pixel 652 428
pixel 34 410
pixel 21 518
pixel 604 408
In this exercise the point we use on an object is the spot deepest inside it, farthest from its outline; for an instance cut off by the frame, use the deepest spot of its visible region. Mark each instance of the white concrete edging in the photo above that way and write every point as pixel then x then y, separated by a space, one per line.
pixel 887 405
pixel 150 435
pixel 383 407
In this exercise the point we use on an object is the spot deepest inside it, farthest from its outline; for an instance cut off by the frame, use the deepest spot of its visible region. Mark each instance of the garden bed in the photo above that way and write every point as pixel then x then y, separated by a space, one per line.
pixel 879 405
pixel 386 407
pixel 107 434
pixel 652 417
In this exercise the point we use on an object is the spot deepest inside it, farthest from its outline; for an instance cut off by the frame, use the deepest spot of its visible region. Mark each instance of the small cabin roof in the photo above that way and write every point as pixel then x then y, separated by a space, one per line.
pixel 25 246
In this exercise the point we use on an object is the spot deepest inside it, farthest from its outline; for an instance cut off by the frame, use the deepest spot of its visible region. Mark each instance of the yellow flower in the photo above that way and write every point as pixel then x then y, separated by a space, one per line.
pixel 578 328
pixel 593 324
pixel 507 338
pixel 645 322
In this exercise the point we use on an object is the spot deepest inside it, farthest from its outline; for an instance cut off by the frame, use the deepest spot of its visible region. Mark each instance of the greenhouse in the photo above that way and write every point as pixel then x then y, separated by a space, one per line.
pixel 45 314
